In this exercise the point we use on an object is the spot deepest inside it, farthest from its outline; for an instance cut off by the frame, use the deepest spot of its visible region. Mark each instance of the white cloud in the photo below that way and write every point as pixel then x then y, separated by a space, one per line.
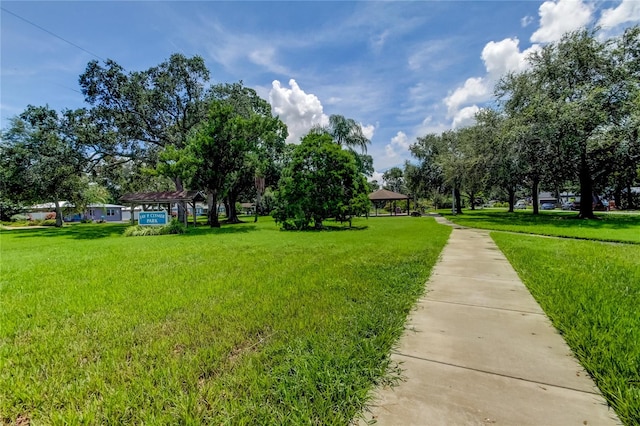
pixel 390 153
pixel 526 21
pixel 475 89
pixel 400 140
pixel 300 111
pixel 465 117
pixel 559 17
pixel 499 57
pixel 368 130
pixel 396 151
pixel 428 127
pixel 399 146
pixel 377 176
pixel 502 56
pixel 626 11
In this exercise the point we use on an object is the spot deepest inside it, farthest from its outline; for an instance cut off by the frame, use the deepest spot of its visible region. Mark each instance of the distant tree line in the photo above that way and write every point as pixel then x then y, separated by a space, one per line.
pixel 570 120
pixel 167 128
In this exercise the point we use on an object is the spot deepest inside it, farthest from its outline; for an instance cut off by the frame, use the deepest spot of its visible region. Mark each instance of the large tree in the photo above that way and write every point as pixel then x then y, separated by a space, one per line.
pixel 266 136
pixel 499 150
pixel 43 157
pixel 141 113
pixel 394 179
pixel 348 133
pixel 533 129
pixel 238 141
pixel 320 181
pixel 576 91
pixel 443 160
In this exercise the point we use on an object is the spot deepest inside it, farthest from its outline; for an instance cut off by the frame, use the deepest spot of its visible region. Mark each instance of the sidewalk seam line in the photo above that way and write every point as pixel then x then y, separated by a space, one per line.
pixel 426 299
pixel 439 274
pixel 497 374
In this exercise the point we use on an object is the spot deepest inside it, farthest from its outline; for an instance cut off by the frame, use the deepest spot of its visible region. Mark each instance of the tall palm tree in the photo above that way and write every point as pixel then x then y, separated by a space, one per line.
pixel 346 132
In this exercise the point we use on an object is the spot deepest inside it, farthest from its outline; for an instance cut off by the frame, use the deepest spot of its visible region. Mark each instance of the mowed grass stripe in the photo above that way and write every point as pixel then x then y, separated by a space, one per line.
pixel 591 292
pixel 245 324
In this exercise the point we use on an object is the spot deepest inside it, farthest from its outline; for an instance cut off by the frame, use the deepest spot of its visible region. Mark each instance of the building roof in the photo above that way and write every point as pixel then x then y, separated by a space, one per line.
pixel 47 206
pixel 162 197
pixel 386 195
pixel 106 206
pixel 547 196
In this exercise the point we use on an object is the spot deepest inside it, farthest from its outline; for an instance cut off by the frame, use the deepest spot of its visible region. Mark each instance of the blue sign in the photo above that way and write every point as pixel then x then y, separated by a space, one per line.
pixel 153 218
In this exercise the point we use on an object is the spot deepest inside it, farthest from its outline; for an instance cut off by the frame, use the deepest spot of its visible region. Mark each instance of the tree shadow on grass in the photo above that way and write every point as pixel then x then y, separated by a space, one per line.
pixel 223 230
pixel 75 231
pixel 329 228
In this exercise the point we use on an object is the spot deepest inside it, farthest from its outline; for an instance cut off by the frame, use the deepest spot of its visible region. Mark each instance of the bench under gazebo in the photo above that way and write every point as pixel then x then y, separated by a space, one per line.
pixel 383 196
pixel 157 200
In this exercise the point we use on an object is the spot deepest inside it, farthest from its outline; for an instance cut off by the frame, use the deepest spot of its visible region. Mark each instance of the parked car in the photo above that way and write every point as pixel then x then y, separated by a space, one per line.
pixel 521 204
pixel 548 206
pixel 567 206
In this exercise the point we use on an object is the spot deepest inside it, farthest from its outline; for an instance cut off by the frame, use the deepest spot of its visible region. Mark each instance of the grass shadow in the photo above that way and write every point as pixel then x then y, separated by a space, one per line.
pixel 225 228
pixel 75 231
pixel 328 228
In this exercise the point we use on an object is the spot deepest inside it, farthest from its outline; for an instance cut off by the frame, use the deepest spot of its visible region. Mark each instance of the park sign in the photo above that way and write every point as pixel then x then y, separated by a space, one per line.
pixel 153 218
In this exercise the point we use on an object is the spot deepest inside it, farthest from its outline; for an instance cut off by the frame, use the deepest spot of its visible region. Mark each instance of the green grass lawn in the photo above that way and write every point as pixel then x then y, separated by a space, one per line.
pixel 244 324
pixel 591 292
pixel 611 227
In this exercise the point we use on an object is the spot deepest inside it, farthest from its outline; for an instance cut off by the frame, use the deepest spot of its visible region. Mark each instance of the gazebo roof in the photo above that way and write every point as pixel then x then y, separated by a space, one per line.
pixel 386 195
pixel 162 197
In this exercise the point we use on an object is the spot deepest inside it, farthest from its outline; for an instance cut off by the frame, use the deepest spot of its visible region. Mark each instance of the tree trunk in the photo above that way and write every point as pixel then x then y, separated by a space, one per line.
pixel 511 192
pixel 181 212
pixel 629 197
pixel 255 219
pixel 472 200
pixel 58 214
pixel 534 194
pixel 232 213
pixel 458 197
pixel 586 191
pixel 212 205
pixel 617 197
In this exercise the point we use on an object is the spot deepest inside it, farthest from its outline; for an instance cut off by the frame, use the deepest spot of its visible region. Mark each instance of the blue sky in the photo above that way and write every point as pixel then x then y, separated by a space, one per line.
pixel 402 69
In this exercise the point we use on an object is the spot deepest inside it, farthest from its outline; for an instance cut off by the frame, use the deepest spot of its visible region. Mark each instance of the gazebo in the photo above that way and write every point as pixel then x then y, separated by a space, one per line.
pixel 164 198
pixel 384 195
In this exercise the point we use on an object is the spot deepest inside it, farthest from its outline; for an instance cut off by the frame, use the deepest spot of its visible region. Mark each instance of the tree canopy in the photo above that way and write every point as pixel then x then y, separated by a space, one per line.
pixel 238 140
pixel 320 181
pixel 141 113
pixel 43 157
pixel 569 119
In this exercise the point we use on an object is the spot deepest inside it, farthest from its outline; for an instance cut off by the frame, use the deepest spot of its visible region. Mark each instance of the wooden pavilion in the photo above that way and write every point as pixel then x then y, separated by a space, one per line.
pixel 151 201
pixel 382 196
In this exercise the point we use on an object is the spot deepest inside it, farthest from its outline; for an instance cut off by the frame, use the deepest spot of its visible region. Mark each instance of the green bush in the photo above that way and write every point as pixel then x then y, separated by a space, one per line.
pixel 175 227
pixel 48 222
pixel 19 218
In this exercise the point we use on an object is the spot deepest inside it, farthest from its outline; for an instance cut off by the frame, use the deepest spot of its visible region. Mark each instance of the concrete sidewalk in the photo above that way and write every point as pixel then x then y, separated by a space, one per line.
pixel 478 350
